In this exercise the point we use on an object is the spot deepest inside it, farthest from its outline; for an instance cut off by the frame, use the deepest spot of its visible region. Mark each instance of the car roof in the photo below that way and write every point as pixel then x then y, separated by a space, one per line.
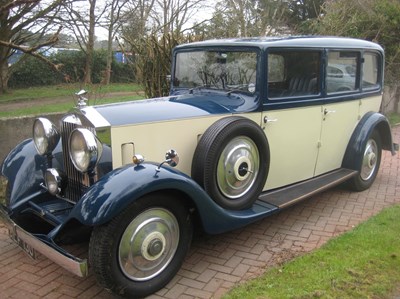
pixel 288 42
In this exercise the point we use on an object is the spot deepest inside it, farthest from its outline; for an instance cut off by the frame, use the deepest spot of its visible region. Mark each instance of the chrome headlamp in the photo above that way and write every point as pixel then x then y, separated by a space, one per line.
pixel 45 136
pixel 85 149
pixel 55 181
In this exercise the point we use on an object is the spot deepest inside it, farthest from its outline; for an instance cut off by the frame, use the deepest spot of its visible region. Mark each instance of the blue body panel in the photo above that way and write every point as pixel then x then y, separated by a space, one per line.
pixel 198 103
pixel 355 148
pixel 24 168
pixel 265 42
pixel 116 190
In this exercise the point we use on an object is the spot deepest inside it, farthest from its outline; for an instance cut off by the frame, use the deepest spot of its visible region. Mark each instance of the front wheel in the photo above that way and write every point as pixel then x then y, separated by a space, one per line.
pixel 371 160
pixel 142 249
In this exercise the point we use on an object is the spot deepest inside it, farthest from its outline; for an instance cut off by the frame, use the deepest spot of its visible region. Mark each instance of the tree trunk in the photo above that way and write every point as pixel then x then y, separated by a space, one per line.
pixel 5 35
pixel 107 75
pixel 4 76
pixel 90 44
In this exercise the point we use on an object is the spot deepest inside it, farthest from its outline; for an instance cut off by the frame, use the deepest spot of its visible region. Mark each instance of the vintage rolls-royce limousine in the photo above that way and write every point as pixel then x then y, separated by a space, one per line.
pixel 251 126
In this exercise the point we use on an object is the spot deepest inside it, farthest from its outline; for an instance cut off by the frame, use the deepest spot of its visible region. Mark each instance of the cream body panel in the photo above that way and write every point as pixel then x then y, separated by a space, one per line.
pixel 337 128
pixel 370 104
pixel 338 123
pixel 153 140
pixel 293 136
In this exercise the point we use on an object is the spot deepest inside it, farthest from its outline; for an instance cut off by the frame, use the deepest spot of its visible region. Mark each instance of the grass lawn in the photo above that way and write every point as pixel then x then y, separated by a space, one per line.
pixel 362 263
pixel 394 118
pixel 64 90
pixel 61 98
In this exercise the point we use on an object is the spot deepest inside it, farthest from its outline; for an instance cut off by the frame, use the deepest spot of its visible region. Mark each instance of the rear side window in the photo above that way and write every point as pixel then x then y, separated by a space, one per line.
pixel 341 71
pixel 293 73
pixel 371 67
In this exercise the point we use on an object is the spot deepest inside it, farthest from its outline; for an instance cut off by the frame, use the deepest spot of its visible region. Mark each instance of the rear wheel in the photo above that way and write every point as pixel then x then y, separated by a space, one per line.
pixel 370 162
pixel 142 249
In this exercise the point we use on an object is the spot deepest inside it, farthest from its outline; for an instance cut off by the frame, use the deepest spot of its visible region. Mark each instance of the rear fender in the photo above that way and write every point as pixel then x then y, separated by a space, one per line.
pixel 370 122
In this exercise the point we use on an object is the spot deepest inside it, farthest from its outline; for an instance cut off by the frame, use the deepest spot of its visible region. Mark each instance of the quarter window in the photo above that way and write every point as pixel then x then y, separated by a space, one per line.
pixel 341 71
pixel 370 71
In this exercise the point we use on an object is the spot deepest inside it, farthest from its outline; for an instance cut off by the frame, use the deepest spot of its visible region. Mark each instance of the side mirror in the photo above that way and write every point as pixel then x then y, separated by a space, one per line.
pixel 171 158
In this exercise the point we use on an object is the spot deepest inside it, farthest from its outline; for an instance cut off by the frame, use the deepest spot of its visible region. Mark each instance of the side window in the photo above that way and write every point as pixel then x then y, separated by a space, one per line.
pixel 371 67
pixel 341 71
pixel 293 73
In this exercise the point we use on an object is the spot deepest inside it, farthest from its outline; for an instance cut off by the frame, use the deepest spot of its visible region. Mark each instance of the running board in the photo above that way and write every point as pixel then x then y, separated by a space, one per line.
pixel 292 194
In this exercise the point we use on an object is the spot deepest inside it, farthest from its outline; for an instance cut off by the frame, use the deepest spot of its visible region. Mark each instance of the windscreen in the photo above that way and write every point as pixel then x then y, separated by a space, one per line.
pixel 224 70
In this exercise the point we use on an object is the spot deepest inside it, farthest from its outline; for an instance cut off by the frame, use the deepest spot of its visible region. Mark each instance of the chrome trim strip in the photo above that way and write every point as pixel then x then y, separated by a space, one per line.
pixel 94 117
pixel 71 263
pixel 91 118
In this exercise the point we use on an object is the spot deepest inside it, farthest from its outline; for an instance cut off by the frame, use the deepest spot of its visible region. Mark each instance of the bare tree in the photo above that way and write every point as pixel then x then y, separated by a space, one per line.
pixel 241 18
pixel 171 16
pixel 82 21
pixel 156 26
pixel 113 23
pixel 136 19
pixel 23 25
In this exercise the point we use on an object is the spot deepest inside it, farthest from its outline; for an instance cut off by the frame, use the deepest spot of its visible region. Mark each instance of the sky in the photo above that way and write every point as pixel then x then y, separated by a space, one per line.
pixel 205 12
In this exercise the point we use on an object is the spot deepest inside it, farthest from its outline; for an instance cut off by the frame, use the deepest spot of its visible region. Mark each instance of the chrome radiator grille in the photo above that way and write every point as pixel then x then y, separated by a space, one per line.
pixel 77 181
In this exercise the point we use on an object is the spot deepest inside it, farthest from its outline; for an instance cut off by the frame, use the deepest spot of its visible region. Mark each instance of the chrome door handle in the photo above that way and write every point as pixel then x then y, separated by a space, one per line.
pixel 326 111
pixel 267 120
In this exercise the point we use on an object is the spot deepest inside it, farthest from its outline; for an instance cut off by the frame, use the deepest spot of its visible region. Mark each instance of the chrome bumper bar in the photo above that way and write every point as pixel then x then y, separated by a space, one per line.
pixel 73 264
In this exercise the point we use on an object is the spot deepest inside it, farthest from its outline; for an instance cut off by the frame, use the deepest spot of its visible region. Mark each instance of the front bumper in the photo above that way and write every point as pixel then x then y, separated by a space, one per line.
pixel 50 250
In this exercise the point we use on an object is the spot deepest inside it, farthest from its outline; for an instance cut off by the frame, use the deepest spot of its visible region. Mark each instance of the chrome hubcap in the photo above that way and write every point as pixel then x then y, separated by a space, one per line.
pixel 370 160
pixel 238 167
pixel 148 244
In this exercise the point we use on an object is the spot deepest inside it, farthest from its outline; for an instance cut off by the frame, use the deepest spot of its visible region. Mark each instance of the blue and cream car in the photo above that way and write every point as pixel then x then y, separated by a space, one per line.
pixel 251 126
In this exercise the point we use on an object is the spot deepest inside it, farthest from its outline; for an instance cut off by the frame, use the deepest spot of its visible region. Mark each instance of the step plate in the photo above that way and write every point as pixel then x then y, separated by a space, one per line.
pixel 292 194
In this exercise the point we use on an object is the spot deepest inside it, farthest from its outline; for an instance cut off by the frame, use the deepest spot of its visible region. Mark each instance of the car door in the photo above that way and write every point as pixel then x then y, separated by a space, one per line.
pixel 340 111
pixel 292 114
pixel 293 136
pixel 338 123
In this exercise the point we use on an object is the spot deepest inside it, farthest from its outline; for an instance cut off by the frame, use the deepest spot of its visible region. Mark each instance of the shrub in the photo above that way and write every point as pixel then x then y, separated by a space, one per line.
pixel 31 71
pixel 34 72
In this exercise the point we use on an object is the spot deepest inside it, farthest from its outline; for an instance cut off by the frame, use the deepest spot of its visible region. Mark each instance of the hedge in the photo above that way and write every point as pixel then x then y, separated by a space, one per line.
pixel 31 71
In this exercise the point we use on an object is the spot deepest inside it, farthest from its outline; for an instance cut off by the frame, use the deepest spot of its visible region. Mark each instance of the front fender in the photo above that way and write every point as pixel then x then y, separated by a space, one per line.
pixel 23 168
pixel 370 122
pixel 115 191
pixel 120 187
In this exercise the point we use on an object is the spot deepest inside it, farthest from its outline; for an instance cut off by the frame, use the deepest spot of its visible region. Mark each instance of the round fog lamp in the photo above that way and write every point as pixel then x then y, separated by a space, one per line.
pixel 54 180
pixel 45 136
pixel 85 149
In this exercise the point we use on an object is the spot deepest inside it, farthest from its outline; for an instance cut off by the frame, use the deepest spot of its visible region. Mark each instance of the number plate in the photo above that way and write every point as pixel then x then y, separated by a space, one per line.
pixel 21 243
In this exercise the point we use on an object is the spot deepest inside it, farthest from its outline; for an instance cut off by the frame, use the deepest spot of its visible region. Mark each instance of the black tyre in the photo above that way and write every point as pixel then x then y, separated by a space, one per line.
pixel 370 162
pixel 231 162
pixel 142 249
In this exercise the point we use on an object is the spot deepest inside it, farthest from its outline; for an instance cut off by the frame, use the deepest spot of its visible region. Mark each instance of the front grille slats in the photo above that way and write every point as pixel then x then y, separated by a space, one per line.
pixel 77 181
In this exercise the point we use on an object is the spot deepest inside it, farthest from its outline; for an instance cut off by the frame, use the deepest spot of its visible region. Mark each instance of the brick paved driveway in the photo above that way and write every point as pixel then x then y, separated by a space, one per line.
pixel 216 263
